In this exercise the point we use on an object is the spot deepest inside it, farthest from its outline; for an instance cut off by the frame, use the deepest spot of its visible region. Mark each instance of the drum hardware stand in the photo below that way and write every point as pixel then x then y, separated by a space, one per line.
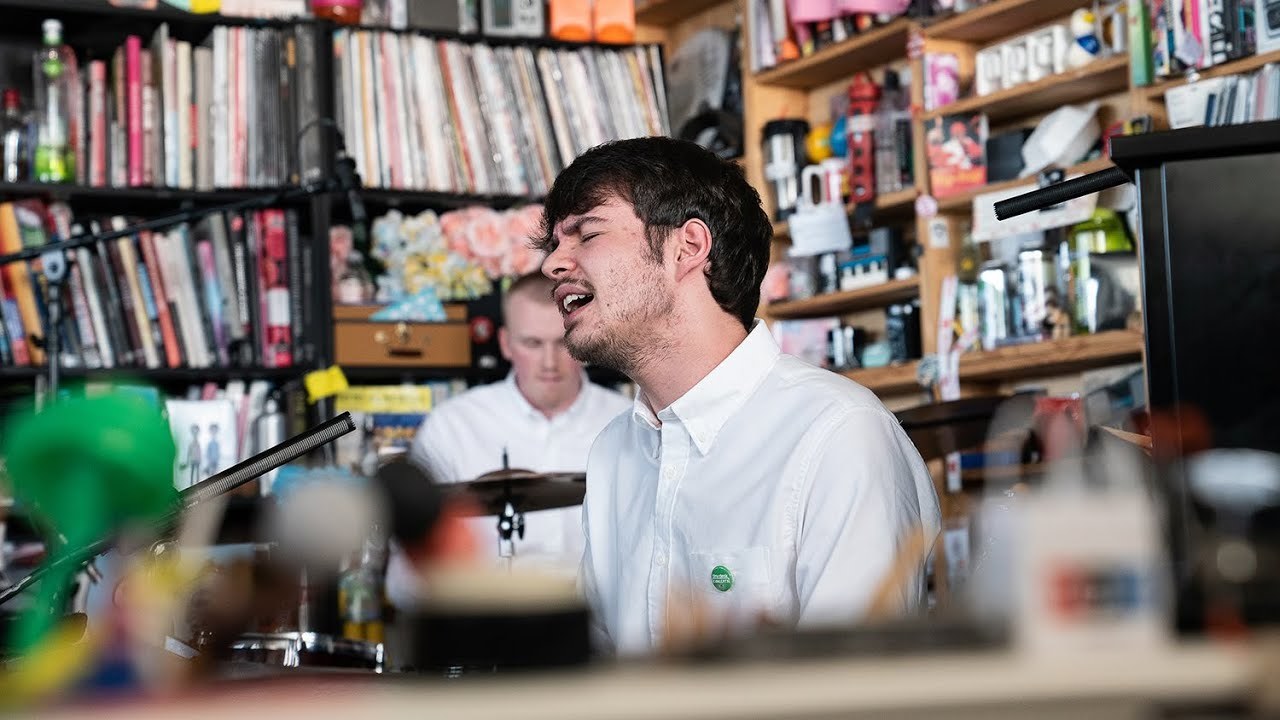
pixel 510 523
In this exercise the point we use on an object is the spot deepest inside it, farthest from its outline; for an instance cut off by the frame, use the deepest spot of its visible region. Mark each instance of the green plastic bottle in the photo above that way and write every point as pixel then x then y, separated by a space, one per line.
pixel 55 159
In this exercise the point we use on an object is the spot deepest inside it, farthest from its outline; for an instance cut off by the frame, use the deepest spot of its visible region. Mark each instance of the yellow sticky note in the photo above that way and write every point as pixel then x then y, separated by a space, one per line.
pixel 324 383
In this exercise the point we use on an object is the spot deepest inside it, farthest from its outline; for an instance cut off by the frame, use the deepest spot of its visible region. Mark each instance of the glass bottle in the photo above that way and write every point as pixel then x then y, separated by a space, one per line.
pixel 17 166
pixel 55 161
pixel 355 284
pixel 360 597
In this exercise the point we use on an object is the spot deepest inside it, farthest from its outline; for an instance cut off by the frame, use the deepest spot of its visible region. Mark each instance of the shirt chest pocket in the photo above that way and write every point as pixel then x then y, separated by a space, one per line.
pixel 735 588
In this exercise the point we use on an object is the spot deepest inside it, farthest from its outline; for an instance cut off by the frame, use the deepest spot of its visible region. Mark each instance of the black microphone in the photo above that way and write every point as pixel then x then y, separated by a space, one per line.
pixel 349 179
pixel 1061 192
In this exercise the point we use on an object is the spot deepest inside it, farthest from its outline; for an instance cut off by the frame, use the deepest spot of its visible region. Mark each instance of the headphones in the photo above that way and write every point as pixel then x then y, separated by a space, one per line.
pixel 716 130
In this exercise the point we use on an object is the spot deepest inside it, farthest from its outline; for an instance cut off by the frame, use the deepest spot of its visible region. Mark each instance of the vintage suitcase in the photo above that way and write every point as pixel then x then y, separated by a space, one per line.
pixel 362 342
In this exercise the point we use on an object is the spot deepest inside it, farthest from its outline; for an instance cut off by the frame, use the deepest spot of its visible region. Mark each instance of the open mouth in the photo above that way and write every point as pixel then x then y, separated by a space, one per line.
pixel 574 302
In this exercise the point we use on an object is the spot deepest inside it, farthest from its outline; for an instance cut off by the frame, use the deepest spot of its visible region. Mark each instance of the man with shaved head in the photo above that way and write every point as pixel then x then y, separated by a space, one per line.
pixel 544 415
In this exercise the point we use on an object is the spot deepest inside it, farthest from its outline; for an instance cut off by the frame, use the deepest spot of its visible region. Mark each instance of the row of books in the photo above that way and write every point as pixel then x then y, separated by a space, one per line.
pixel 1195 34
pixel 222 114
pixel 226 291
pixel 423 113
pixel 1228 100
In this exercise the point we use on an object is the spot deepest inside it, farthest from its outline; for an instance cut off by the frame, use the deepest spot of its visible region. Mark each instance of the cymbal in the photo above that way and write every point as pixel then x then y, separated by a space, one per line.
pixel 527 490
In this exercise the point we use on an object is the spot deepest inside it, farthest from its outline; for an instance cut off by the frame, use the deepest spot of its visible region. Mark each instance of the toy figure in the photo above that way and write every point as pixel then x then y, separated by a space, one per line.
pixel 1086 47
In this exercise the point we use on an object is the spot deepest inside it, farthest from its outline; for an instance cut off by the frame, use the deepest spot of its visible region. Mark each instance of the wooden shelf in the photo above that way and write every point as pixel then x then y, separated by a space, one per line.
pixel 386 375
pixel 890 380
pixel 963 202
pixel 1003 473
pixel 1096 79
pixel 156 375
pixel 861 52
pixel 70 192
pixel 1054 357
pixel 439 200
pixel 670 12
pixel 900 201
pixel 104 10
pixel 847 301
pixel 1243 65
pixel 894 203
pixel 1000 19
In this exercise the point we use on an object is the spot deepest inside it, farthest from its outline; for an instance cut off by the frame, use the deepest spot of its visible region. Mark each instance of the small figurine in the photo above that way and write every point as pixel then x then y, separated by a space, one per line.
pixel 1085 47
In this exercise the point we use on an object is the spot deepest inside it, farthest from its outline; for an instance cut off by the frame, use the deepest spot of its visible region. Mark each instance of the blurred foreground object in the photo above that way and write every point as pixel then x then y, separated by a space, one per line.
pixel 87 467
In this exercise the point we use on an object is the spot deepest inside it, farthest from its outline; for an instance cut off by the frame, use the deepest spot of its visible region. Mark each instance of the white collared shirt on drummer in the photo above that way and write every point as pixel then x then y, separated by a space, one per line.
pixel 464 437
pixel 772 488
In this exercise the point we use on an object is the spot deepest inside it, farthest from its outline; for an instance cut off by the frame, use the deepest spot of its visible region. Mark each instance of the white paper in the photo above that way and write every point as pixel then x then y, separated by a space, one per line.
pixel 1186 104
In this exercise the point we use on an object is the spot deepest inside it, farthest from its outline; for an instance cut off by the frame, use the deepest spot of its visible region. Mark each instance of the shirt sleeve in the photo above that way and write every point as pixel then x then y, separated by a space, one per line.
pixel 867 491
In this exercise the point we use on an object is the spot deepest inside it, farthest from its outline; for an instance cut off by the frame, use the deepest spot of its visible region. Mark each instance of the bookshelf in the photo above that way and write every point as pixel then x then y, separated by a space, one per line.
pixel 162 376
pixel 888 205
pixel 888 380
pixel 1243 65
pixel 1000 18
pixel 847 301
pixel 95 29
pixel 155 196
pixel 381 199
pixel 667 12
pixel 1052 357
pixel 1096 79
pixel 866 50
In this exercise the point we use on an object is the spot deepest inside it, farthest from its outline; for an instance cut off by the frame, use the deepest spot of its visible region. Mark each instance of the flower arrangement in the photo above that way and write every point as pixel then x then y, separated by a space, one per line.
pixel 459 254
pixel 496 240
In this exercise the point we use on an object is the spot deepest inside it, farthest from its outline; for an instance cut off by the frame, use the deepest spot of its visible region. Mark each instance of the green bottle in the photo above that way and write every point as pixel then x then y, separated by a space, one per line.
pixel 54 161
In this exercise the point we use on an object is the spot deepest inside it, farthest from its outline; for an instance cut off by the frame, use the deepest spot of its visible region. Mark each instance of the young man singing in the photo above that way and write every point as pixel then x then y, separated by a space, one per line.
pixel 745 479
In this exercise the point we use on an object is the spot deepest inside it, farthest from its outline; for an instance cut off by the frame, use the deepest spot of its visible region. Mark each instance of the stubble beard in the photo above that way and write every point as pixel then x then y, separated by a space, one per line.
pixel 631 341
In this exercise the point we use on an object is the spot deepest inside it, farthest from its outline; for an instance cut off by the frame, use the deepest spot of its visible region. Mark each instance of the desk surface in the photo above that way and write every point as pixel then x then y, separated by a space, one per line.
pixel 985 684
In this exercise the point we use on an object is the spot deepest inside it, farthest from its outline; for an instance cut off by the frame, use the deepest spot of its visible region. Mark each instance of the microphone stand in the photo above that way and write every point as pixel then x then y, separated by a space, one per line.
pixel 346 179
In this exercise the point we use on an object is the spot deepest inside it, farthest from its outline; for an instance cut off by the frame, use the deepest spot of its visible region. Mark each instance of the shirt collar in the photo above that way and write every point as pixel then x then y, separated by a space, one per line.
pixel 529 411
pixel 708 405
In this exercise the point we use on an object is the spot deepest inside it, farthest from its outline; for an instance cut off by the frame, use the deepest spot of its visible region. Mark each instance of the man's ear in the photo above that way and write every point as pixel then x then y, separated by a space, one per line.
pixel 692 242
pixel 504 343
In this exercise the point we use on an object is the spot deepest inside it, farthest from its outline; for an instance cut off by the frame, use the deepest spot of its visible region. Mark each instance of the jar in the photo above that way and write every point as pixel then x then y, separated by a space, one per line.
pixel 343 12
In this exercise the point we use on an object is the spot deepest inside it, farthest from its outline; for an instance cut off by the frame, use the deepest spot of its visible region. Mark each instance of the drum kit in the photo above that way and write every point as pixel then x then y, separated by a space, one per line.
pixel 506 494
pixel 289 641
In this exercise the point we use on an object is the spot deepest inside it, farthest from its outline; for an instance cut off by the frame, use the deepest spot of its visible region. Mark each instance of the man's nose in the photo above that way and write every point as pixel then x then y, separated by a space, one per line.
pixel 557 262
pixel 550 356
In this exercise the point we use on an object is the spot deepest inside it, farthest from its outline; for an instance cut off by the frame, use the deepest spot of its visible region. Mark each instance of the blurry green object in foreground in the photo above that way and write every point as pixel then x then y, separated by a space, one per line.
pixel 85 467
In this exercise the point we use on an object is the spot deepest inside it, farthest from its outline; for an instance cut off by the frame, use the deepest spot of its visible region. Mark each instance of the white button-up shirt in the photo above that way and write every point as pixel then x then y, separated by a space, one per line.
pixel 772 488
pixel 464 437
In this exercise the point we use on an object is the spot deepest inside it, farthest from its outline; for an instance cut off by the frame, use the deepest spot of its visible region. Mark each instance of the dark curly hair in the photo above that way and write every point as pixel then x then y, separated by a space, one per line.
pixel 668 182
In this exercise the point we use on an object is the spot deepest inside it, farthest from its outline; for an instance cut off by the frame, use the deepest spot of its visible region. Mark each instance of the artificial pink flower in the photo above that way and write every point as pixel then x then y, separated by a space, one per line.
pixel 487 236
pixel 492 265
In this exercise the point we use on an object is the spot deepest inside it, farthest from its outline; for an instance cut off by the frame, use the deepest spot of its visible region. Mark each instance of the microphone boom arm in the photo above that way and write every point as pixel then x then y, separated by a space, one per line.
pixel 1061 192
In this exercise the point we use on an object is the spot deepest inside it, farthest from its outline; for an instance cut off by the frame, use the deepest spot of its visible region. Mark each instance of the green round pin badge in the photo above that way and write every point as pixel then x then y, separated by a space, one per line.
pixel 721 578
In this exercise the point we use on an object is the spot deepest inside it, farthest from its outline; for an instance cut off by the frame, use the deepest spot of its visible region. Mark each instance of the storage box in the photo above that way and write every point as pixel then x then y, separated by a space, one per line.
pixel 361 342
